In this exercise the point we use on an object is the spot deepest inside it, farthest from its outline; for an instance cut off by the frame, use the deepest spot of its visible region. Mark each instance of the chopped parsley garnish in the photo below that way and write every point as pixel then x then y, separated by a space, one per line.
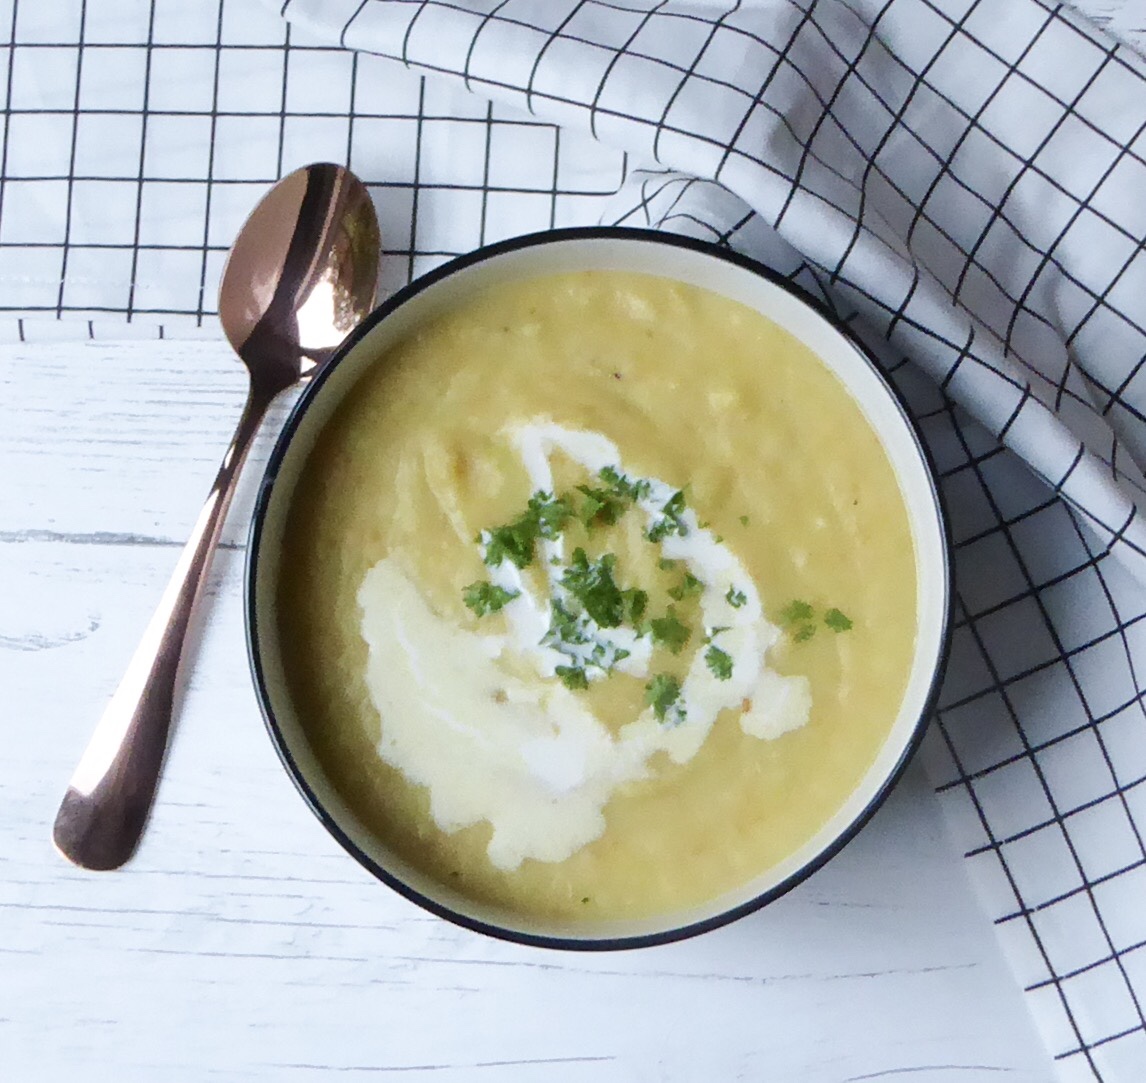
pixel 669 632
pixel 719 662
pixel 623 486
pixel 483 597
pixel 565 629
pixel 638 602
pixel 571 634
pixel 586 598
pixel 837 621
pixel 670 521
pixel 796 611
pixel 597 507
pixel 800 618
pixel 686 588
pixel 573 677
pixel 661 694
pixel 591 582
pixel 544 517
pixel 550 513
pixel 604 506
pixel 513 542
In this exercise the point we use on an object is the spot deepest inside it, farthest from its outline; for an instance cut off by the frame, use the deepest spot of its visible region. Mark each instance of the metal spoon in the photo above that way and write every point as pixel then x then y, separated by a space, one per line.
pixel 302 273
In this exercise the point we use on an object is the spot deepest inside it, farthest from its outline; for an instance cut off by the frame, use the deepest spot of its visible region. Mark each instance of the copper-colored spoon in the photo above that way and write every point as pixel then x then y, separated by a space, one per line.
pixel 302 273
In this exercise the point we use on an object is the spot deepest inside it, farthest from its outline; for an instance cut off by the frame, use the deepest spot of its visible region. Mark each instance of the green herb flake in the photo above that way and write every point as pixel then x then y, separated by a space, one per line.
pixel 564 628
pixel 796 612
pixel 573 677
pixel 735 598
pixel 483 597
pixel 638 602
pixel 744 520
pixel 661 694
pixel 595 507
pixel 549 512
pixel 669 632
pixel 688 586
pixel 591 582
pixel 665 564
pixel 837 621
pixel 803 633
pixel 513 542
pixel 604 506
pixel 670 521
pixel 622 486
pixel 544 517
pixel 719 662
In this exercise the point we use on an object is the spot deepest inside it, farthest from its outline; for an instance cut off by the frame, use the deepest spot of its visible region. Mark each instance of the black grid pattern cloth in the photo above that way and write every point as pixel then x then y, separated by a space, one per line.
pixel 964 181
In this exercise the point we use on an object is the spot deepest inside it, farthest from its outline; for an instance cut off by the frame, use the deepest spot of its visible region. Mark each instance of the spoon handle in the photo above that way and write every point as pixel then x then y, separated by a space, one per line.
pixel 102 815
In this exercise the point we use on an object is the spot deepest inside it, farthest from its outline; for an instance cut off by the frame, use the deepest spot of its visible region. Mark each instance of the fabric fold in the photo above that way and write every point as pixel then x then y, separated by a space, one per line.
pixel 878 140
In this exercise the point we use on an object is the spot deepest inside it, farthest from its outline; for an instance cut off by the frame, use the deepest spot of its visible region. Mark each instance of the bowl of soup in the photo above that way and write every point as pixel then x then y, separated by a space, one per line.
pixel 598 590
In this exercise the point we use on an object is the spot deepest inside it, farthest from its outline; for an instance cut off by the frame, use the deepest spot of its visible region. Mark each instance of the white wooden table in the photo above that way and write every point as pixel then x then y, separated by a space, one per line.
pixel 241 943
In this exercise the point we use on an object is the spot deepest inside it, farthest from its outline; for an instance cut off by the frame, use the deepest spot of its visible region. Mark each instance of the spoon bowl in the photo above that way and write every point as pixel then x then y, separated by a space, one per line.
pixel 290 296
pixel 301 274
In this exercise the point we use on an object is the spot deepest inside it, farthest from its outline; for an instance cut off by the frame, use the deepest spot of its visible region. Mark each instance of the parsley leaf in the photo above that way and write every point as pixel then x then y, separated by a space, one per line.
pixel 549 512
pixel 669 632
pixel 744 520
pixel 719 662
pixel 544 517
pixel 565 629
pixel 623 486
pixel 638 602
pixel 597 509
pixel 661 693
pixel 604 506
pixel 513 542
pixel 573 677
pixel 591 582
pixel 804 633
pixel 796 611
pixel 483 597
pixel 670 521
pixel 735 598
pixel 837 621
pixel 689 586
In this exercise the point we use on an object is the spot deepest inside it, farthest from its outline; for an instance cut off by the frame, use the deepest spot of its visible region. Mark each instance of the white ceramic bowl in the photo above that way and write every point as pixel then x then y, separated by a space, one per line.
pixel 623 250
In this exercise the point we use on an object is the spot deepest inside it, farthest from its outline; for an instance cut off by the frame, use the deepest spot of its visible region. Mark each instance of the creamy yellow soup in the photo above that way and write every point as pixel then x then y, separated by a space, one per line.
pixel 755 510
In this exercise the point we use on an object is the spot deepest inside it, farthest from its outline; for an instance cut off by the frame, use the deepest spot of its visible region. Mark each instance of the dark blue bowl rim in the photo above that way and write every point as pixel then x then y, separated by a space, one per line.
pixel 262 502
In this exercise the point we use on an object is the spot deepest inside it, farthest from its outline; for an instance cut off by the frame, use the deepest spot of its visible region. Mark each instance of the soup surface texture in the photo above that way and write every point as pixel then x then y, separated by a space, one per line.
pixel 598 596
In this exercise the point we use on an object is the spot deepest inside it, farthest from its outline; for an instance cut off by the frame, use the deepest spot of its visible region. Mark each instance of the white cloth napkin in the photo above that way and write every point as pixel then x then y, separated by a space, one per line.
pixel 962 180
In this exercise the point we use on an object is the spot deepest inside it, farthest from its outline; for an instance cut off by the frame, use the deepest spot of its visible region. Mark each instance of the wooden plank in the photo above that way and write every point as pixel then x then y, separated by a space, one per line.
pixel 242 943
